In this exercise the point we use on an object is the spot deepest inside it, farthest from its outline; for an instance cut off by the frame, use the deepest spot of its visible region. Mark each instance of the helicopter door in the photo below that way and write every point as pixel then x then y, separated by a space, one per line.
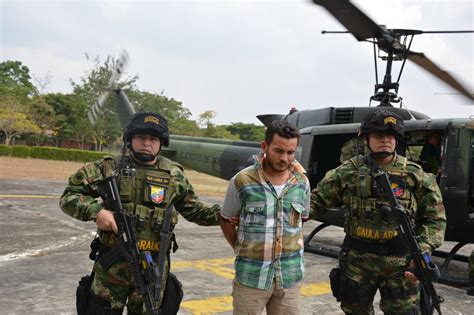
pixel 456 183
pixel 326 155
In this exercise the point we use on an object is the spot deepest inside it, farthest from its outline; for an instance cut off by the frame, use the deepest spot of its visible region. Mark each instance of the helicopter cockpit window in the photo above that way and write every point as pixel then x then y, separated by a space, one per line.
pixel 426 149
pixel 430 156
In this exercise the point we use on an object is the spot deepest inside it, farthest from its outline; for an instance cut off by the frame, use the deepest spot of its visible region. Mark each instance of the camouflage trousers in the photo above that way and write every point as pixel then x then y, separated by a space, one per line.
pixel 368 272
pixel 117 287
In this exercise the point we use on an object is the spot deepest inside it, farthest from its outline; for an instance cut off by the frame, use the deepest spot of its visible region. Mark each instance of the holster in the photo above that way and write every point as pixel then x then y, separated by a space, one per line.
pixel 83 293
pixel 334 277
pixel 347 290
pixel 172 296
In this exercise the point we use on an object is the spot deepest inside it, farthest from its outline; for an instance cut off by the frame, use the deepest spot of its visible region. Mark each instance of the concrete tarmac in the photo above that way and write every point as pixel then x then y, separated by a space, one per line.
pixel 44 253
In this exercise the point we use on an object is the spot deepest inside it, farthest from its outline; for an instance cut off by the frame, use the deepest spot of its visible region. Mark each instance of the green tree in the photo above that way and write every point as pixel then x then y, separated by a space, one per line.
pixel 205 119
pixel 186 127
pixel 15 80
pixel 211 130
pixel 71 118
pixel 44 116
pixel 178 116
pixel 249 132
pixel 14 121
pixel 219 131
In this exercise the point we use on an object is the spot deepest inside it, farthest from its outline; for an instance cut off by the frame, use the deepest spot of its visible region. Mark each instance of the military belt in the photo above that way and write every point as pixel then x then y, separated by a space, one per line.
pixel 109 255
pixel 394 247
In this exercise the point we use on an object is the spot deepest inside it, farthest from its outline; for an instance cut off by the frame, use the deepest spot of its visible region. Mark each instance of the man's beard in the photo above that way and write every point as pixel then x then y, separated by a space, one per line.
pixel 275 166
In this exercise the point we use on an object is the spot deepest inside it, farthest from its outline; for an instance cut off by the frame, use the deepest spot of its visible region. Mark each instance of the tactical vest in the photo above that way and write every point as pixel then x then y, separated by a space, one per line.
pixel 144 192
pixel 365 219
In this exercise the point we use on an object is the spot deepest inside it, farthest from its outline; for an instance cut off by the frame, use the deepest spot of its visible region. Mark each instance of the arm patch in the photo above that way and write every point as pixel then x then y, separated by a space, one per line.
pixel 78 178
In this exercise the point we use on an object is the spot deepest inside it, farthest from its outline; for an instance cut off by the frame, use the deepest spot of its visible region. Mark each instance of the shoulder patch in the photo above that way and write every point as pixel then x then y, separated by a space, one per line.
pixel 92 172
pixel 78 178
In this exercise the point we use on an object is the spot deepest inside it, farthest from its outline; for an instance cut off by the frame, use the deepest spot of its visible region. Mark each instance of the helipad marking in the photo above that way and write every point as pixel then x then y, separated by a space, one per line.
pixel 211 305
pixel 313 289
pixel 216 266
pixel 31 196
pixel 223 303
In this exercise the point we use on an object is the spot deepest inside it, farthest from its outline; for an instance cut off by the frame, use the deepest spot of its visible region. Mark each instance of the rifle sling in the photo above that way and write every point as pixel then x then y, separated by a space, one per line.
pixel 164 245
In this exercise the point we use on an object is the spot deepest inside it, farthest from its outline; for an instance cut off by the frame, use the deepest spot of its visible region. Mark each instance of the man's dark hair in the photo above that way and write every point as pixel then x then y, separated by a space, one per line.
pixel 283 128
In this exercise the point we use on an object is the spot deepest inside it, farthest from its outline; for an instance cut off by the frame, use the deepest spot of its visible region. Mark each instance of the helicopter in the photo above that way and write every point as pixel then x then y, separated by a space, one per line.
pixel 325 131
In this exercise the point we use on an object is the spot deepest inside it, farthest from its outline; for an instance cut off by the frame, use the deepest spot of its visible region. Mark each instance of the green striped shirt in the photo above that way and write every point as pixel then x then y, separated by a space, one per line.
pixel 269 238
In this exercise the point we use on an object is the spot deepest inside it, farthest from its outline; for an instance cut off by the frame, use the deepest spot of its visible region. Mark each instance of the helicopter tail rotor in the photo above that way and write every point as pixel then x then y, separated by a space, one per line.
pixel 96 110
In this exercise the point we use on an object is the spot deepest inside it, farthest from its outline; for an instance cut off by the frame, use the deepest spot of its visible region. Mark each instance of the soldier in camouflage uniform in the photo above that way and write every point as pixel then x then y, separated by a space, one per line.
pixel 146 181
pixel 372 255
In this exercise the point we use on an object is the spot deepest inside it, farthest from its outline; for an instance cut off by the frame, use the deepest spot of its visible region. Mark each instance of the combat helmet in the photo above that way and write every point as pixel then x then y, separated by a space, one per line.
pixel 382 121
pixel 148 123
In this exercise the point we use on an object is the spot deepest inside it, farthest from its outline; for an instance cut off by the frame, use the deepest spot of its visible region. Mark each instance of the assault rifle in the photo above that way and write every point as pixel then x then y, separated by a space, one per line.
pixel 425 270
pixel 143 268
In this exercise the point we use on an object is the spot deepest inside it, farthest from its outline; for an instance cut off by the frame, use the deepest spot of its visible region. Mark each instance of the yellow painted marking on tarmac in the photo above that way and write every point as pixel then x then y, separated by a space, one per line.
pixel 216 266
pixel 211 305
pixel 223 303
pixel 313 289
pixel 32 196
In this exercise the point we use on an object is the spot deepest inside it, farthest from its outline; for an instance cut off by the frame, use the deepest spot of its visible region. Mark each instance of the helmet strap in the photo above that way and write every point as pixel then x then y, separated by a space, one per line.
pixel 143 157
pixel 382 154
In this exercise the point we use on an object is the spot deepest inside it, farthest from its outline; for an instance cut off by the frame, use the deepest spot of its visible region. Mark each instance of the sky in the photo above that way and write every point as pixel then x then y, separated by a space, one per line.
pixel 241 58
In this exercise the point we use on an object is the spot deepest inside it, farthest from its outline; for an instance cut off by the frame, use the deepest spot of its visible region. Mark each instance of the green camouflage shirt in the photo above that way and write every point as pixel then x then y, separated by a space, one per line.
pixel 416 190
pixel 81 200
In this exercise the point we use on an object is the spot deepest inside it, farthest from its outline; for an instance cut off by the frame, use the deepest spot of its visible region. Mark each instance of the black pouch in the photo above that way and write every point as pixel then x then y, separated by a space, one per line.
pixel 335 277
pixel 83 293
pixel 172 296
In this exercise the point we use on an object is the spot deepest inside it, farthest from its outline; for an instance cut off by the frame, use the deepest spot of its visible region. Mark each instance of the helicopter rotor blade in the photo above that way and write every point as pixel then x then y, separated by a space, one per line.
pixel 361 25
pixel 424 62
pixel 96 110
pixel 119 69
pixel 353 19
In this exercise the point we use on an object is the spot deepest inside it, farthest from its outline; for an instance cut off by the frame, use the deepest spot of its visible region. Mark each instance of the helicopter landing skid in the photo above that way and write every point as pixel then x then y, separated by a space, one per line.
pixel 449 280
pixel 444 279
pixel 319 250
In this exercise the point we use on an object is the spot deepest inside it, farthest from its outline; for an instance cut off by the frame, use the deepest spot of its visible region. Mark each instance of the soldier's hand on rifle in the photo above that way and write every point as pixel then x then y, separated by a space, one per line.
pixel 105 221
pixel 410 276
